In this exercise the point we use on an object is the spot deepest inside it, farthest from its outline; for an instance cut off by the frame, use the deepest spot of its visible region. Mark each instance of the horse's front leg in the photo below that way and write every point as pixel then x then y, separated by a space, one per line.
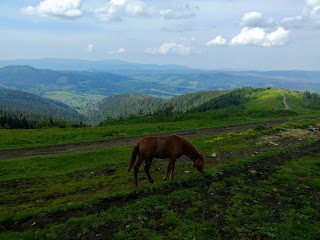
pixel 170 169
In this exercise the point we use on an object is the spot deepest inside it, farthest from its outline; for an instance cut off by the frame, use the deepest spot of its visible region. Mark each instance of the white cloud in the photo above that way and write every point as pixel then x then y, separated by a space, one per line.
pixel 114 10
pixel 119 51
pixel 172 48
pixel 310 16
pixel 55 8
pixel 294 22
pixel 179 13
pixel 255 19
pixel 218 41
pixel 257 36
pixel 312 9
pixel 90 48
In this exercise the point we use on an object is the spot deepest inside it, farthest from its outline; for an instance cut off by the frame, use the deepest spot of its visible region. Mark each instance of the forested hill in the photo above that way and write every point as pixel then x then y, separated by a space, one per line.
pixel 23 102
pixel 41 81
pixel 126 105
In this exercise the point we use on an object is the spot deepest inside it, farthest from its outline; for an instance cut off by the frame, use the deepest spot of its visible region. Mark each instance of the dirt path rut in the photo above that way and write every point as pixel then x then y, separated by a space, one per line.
pixel 285 102
pixel 86 146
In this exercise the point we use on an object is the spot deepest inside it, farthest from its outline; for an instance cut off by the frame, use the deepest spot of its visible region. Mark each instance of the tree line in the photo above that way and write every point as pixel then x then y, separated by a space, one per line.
pixel 311 100
pixel 12 119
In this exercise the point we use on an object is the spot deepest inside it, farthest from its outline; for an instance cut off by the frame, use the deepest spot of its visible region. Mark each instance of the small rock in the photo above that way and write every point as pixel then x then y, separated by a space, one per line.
pixel 253 172
pixel 186 171
pixel 213 155
pixel 33 223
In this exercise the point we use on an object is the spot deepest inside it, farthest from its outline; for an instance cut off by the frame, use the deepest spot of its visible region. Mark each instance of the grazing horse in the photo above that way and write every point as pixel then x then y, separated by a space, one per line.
pixel 172 147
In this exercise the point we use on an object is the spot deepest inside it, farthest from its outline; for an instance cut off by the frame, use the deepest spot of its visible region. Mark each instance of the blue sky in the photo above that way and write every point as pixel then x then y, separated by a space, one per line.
pixel 214 34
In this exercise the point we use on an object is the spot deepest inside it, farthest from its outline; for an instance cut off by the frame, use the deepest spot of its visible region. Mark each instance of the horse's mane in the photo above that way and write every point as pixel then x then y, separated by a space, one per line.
pixel 190 150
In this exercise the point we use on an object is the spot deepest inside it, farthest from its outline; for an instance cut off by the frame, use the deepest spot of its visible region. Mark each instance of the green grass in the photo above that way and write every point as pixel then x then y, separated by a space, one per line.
pixel 264 106
pixel 18 138
pixel 75 178
pixel 282 206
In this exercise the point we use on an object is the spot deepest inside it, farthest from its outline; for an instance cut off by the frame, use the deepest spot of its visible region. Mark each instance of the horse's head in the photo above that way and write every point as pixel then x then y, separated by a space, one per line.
pixel 199 163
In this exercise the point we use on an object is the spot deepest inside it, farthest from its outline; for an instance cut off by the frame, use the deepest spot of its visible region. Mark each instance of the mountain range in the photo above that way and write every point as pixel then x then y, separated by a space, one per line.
pixel 86 86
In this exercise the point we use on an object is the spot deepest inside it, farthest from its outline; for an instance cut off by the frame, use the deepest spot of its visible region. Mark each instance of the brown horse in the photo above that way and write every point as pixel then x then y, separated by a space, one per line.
pixel 172 147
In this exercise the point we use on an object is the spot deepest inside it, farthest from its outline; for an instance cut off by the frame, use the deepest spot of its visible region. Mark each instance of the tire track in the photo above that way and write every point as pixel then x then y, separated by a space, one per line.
pixel 86 146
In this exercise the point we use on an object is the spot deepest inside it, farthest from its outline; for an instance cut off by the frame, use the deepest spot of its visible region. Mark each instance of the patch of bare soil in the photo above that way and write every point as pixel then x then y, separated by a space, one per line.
pixel 86 146
pixel 260 169
pixel 289 136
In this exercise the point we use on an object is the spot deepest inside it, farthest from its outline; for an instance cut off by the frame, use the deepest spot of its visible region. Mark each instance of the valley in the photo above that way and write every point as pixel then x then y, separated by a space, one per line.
pixel 67 137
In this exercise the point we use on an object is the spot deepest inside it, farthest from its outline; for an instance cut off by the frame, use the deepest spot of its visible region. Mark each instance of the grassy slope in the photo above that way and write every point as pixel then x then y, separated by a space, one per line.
pixel 267 100
pixel 50 184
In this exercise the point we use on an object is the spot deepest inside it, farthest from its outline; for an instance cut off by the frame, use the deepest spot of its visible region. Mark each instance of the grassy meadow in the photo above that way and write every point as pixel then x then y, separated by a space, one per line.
pixel 254 188
pixel 263 106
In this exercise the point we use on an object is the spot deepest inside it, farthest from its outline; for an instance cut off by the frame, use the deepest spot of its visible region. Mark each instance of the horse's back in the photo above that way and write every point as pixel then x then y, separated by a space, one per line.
pixel 161 147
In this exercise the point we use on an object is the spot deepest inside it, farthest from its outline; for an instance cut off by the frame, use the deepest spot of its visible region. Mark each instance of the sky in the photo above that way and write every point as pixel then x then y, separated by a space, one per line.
pixel 206 34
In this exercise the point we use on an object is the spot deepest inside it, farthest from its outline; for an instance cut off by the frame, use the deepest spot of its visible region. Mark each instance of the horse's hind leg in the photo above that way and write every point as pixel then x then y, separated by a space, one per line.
pixel 136 169
pixel 170 169
pixel 147 169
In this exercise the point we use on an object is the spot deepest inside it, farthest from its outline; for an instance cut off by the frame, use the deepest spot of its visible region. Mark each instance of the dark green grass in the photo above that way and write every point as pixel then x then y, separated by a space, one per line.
pixel 283 206
pixel 63 181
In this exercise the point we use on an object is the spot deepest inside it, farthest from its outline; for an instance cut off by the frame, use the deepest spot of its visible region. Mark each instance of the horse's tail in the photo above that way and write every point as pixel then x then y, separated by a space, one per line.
pixel 135 152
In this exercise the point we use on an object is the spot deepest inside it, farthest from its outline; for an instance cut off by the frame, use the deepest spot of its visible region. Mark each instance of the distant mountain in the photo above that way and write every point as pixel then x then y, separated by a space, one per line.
pixel 23 102
pixel 82 89
pixel 292 80
pixel 111 65
pixel 41 81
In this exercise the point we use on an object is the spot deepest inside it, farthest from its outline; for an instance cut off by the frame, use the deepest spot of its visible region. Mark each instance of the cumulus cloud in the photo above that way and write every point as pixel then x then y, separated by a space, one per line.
pixel 255 19
pixel 114 10
pixel 172 48
pixel 218 41
pixel 312 9
pixel 309 17
pixel 257 36
pixel 90 48
pixel 179 13
pixel 294 22
pixel 67 9
pixel 119 51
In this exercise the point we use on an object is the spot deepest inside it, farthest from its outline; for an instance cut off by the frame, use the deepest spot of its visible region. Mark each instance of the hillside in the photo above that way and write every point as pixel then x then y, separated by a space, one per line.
pixel 81 90
pixel 246 102
pixel 126 105
pixel 19 103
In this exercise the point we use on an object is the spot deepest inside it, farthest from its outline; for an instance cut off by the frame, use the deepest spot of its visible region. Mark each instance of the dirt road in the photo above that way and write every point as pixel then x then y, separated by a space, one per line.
pixel 284 101
pixel 86 146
